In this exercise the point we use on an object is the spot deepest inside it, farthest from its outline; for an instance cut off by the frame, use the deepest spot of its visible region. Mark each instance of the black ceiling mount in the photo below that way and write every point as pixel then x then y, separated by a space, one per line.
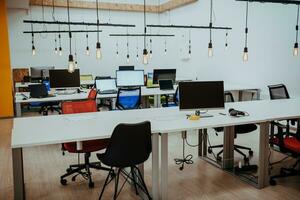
pixel 77 23
pixel 297 2
pixel 188 26
pixel 72 31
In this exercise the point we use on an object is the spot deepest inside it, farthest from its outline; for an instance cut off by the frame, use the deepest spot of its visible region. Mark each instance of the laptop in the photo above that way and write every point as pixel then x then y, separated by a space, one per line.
pixel 106 86
pixel 166 84
pixel 38 91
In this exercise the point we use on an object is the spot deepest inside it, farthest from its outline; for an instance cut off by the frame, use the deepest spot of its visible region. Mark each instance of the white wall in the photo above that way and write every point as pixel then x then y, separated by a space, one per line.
pixel 271 38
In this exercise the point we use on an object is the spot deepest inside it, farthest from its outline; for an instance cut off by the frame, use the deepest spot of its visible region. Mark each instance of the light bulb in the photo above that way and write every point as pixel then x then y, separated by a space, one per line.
pixel 145 57
pixel 127 60
pixel 76 64
pixel 165 51
pixel 137 57
pixel 150 54
pixel 87 51
pixel 245 54
pixel 296 49
pixel 190 54
pixel 98 51
pixel 117 53
pixel 55 50
pixel 33 50
pixel 60 51
pixel 226 46
pixel 210 49
pixel 71 65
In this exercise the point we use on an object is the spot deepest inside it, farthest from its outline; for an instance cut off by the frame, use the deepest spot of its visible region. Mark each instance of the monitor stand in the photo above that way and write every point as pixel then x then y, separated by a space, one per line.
pixel 202 114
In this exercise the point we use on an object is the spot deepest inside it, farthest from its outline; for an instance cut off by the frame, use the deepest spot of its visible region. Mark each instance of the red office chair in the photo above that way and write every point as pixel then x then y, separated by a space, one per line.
pixel 290 144
pixel 92 94
pixel 87 146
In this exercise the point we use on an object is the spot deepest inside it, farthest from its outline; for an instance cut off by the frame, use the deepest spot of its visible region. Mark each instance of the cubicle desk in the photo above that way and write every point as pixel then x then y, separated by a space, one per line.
pixel 156 92
pixel 164 121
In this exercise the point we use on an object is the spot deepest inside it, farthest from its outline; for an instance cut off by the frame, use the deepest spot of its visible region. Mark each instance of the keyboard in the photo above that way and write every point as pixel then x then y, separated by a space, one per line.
pixel 108 92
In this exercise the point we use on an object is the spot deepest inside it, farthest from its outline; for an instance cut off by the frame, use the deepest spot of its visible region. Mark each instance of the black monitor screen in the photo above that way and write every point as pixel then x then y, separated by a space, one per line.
pixel 164 74
pixel 201 95
pixel 61 78
pixel 129 67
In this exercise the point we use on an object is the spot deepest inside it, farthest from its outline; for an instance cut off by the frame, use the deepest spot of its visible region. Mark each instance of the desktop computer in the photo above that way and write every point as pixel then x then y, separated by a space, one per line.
pixel 201 95
pixel 62 79
pixel 130 78
pixel 163 74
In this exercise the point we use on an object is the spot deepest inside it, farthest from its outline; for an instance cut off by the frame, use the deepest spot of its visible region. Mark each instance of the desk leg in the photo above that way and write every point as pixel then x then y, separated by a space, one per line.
pixel 18 110
pixel 155 166
pixel 164 166
pixel 263 172
pixel 258 94
pixel 200 141
pixel 157 101
pixel 204 142
pixel 240 98
pixel 18 174
pixel 228 153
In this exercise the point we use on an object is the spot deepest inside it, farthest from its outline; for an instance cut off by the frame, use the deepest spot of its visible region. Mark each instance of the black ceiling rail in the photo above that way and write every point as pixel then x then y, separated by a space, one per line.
pixel 76 23
pixel 297 2
pixel 73 31
pixel 189 27
pixel 142 35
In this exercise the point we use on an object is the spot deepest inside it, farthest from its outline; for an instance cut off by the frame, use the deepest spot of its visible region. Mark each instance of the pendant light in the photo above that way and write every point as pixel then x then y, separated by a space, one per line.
pixel 165 46
pixel 137 49
pixel 55 49
pixel 71 64
pixel 117 49
pixel 55 38
pixel 33 51
pixel 59 40
pixel 98 44
pixel 76 57
pixel 245 53
pixel 226 40
pixel 150 53
pixel 296 48
pixel 190 44
pixel 87 50
pixel 127 46
pixel 145 52
pixel 210 46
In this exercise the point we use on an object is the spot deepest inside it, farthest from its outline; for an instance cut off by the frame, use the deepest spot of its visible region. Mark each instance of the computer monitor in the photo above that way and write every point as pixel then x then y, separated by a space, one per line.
pixel 201 95
pixel 40 72
pixel 164 74
pixel 129 78
pixel 129 67
pixel 103 85
pixel 61 78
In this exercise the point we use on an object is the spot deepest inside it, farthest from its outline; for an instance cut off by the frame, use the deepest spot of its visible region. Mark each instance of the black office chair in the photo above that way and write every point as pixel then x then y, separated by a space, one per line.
pixel 239 129
pixel 280 92
pixel 130 145
pixel 129 98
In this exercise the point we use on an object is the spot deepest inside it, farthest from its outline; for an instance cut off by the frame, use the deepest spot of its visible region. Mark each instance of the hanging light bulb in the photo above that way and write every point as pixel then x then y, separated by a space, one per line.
pixel 165 47
pixel 150 52
pixel 60 51
pixel 117 49
pixel 296 49
pixel 71 65
pixel 59 48
pixel 210 49
pixel 245 53
pixel 127 58
pixel 55 49
pixel 87 52
pixel 98 51
pixel 33 50
pixel 76 64
pixel 145 57
pixel 210 45
pixel 137 57
pixel 226 42
pixel 190 45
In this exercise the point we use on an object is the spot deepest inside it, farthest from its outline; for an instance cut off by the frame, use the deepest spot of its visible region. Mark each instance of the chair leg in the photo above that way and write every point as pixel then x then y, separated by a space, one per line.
pixel 143 182
pixel 116 184
pixel 134 180
pixel 87 168
pixel 105 184
pixel 242 147
pixel 240 152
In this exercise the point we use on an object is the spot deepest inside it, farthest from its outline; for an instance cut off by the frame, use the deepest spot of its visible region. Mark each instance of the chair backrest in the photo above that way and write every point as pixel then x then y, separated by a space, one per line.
pixel 176 96
pixel 73 107
pixel 92 94
pixel 47 84
pixel 130 144
pixel 128 98
pixel 278 92
pixel 228 97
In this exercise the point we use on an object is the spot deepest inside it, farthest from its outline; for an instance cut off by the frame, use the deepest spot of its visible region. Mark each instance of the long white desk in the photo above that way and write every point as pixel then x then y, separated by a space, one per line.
pixel 164 121
pixel 156 92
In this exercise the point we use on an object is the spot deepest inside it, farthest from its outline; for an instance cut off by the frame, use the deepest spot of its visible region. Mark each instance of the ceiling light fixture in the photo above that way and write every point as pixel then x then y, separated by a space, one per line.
pixel 210 46
pixel 32 42
pixel 226 40
pixel 245 53
pixel 296 47
pixel 145 52
pixel 71 64
pixel 98 44
pixel 190 44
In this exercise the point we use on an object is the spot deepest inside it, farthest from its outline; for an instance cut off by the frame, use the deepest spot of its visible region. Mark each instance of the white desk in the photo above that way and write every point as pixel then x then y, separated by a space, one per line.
pixel 156 92
pixel 166 121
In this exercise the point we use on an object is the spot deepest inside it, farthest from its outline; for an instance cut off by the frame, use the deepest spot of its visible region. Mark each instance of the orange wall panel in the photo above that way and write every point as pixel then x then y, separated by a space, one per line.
pixel 6 97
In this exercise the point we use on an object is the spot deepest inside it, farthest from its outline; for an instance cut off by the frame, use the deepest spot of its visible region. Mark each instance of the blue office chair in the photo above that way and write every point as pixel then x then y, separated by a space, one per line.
pixel 174 102
pixel 129 98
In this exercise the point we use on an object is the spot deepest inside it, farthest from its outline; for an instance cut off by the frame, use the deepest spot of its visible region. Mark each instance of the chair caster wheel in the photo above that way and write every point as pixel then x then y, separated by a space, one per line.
pixel 91 184
pixel 63 181
pixel 209 150
pixel 73 178
pixel 250 153
pixel 219 158
pixel 272 182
